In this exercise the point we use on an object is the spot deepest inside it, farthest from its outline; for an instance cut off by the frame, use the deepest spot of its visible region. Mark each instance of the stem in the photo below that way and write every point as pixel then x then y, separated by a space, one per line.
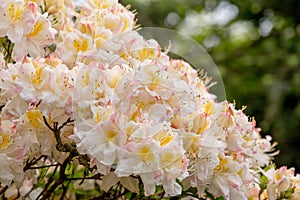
pixel 34 161
pixel 95 177
pixel 65 189
pixel 48 183
pixel 52 188
pixel 69 120
pixel 44 166
pixel 1 107
pixel 47 124
pixel 71 149
pixel 56 130
pixel 62 177
pixel 3 190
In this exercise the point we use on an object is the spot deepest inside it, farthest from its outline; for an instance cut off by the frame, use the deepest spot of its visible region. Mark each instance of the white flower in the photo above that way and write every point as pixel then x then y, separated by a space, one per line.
pixel 40 35
pixel 71 44
pixel 11 153
pixel 16 19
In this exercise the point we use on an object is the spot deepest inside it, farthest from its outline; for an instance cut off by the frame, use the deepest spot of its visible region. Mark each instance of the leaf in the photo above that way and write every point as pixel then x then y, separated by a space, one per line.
pixel 80 192
pixel 128 195
pixel 186 183
pixel 130 183
pixel 52 47
pixel 109 180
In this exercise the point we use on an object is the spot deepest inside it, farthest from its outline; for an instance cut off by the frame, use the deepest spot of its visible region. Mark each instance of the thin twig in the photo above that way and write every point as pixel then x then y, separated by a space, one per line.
pixel 69 120
pixel 95 177
pixel 48 183
pixel 62 175
pixel 44 166
pixel 65 189
pixel 34 161
pixel 71 149
pixel 57 130
pixel 47 124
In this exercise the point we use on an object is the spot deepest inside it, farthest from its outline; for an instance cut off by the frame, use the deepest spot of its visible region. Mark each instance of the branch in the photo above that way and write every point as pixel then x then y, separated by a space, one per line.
pixel 69 120
pixel 3 189
pixel 51 178
pixel 62 176
pixel 56 130
pixel 44 166
pixel 71 149
pixel 47 124
pixel 95 177
pixel 1 107
pixel 83 159
pixel 34 161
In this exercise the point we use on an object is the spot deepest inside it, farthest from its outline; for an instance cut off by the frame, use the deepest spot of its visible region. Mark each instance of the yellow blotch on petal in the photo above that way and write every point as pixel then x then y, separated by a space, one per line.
pixel 100 114
pixel 113 76
pixel 222 164
pixel 15 76
pixel 146 154
pixel 134 116
pixel 53 61
pixel 146 53
pixel 81 44
pixel 100 40
pixel 101 4
pixel 155 81
pixel 4 140
pixel 164 138
pixel 68 28
pixel 278 176
pixel 111 134
pixel 34 117
pixel 37 28
pixel 199 124
pixel 142 105
pixel 129 130
pixel 112 83
pixel 97 117
pixel 87 29
pixel 168 157
pixel 209 109
pixel 126 22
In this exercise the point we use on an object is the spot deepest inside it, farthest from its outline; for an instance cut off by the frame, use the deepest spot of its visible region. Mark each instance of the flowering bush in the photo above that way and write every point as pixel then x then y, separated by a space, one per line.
pixel 91 109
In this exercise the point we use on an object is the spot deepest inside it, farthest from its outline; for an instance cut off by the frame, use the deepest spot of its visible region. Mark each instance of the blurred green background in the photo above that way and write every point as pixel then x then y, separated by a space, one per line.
pixel 256 46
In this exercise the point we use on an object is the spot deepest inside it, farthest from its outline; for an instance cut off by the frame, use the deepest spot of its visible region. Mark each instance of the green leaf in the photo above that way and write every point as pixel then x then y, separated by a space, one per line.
pixel 52 47
pixel 128 195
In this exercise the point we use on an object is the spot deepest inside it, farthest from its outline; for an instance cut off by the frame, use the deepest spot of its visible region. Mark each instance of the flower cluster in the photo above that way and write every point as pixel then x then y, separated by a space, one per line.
pixel 281 183
pixel 81 87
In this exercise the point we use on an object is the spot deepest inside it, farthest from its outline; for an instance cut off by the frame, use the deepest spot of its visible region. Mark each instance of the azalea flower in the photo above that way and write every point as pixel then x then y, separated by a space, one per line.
pixel 17 19
pixel 33 43
pixel 11 153
pixel 282 182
